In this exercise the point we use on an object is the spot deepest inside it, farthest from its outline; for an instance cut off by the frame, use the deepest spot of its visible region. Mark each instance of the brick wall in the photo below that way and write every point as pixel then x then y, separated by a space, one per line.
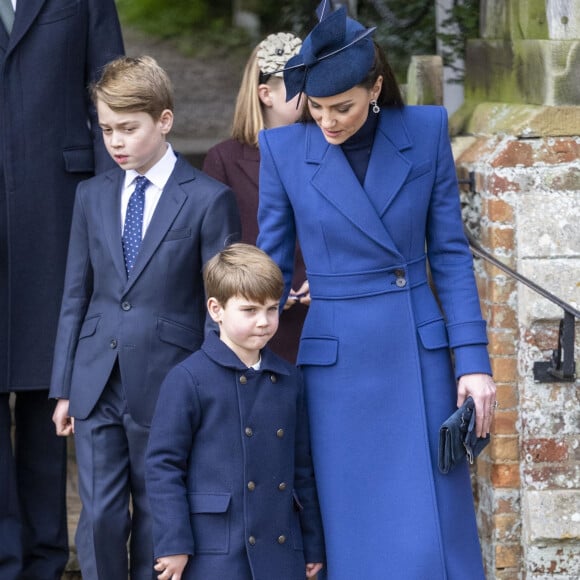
pixel 526 212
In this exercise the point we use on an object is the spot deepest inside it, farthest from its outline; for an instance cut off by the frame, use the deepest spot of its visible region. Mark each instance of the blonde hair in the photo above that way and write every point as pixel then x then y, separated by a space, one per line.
pixel 242 270
pixel 248 119
pixel 134 85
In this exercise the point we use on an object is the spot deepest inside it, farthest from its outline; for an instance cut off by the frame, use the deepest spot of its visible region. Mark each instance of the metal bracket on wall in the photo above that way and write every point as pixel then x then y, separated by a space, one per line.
pixel 561 366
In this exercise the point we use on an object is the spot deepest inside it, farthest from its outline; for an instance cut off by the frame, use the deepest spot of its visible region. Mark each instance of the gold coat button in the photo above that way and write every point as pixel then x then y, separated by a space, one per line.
pixel 273 378
pixel 282 486
pixel 251 485
pixel 248 431
pixel 280 433
pixel 243 379
pixel 281 539
pixel 252 541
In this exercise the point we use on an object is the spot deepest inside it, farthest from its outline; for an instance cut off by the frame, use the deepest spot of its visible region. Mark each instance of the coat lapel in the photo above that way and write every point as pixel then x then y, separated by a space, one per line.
pixel 249 163
pixel 388 167
pixel 337 183
pixel 111 220
pixel 26 12
pixel 170 203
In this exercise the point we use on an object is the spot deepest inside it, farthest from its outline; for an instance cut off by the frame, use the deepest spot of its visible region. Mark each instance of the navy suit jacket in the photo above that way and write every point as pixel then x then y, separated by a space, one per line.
pixel 153 319
pixel 49 141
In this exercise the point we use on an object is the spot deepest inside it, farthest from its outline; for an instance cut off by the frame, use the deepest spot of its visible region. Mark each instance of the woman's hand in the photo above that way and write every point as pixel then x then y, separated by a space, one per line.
pixel 482 390
pixel 302 296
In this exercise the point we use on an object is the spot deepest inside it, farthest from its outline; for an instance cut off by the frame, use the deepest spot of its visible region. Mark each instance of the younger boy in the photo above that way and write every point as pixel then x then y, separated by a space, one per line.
pixel 133 307
pixel 228 469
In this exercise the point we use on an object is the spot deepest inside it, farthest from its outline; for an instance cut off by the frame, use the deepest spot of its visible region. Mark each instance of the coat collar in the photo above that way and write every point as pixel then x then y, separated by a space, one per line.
pixel 387 171
pixel 170 203
pixel 224 356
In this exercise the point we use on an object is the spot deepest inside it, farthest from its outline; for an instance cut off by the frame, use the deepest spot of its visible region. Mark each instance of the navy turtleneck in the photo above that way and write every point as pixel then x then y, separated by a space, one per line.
pixel 357 148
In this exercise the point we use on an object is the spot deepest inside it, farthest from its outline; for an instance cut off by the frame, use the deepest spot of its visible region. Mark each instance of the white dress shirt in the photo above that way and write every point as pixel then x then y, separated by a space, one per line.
pixel 157 176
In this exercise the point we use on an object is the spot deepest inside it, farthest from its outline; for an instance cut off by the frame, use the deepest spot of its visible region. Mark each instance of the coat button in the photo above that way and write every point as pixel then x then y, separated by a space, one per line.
pixel 281 539
pixel 243 379
pixel 251 485
pixel 113 343
pixel 273 378
pixel 126 306
pixel 252 541
pixel 282 486
pixel 248 431
pixel 400 273
pixel 401 282
pixel 280 433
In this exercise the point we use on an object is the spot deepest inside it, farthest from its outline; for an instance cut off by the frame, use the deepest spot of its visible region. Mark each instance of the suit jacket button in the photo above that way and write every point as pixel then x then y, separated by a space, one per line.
pixel 243 379
pixel 251 485
pixel 252 541
pixel 401 282
pixel 280 433
pixel 248 431
pixel 273 378
pixel 113 343
pixel 281 539
pixel 282 486
pixel 126 306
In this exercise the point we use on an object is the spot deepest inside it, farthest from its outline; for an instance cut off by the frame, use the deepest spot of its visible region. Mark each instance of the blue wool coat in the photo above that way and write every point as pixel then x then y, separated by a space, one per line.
pixel 375 348
pixel 229 472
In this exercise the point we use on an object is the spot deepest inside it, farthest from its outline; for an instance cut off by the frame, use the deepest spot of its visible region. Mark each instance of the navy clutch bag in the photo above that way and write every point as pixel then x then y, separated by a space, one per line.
pixel 457 438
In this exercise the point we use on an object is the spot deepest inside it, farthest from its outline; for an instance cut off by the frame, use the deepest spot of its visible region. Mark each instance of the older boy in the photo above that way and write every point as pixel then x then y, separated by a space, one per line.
pixel 133 307
pixel 228 468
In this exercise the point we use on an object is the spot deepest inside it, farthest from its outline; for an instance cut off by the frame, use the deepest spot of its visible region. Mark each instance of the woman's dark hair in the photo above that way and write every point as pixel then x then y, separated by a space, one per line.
pixel 390 95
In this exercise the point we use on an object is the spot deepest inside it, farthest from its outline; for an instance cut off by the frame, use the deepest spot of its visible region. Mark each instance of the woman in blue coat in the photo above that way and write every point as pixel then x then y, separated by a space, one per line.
pixel 369 187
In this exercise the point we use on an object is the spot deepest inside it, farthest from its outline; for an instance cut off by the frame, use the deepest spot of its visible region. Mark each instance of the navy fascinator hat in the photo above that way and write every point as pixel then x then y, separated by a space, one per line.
pixel 336 55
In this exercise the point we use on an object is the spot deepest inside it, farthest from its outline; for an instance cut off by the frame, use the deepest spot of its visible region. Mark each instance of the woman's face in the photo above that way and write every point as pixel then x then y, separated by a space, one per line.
pixel 341 116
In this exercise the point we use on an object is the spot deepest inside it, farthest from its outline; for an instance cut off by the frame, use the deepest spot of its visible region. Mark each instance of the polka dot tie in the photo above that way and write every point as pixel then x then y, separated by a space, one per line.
pixel 132 232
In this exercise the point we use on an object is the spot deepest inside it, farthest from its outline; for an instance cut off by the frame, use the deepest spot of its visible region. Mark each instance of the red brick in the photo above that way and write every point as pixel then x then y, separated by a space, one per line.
pixel 502 317
pixel 505 475
pixel 498 210
pixel 496 184
pixel 504 369
pixel 504 448
pixel 502 341
pixel 504 422
pixel 508 555
pixel 507 396
pixel 545 450
pixel 514 153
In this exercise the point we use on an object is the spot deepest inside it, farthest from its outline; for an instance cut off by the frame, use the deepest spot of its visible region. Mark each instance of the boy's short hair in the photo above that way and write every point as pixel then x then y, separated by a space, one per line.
pixel 132 85
pixel 243 270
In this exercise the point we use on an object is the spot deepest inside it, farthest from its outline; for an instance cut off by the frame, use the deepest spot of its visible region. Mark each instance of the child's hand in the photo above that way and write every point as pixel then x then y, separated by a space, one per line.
pixel 313 569
pixel 64 423
pixel 171 567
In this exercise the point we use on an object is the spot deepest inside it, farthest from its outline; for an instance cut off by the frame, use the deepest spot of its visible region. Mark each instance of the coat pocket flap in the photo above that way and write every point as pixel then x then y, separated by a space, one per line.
pixel 318 351
pixel 433 335
pixel 89 326
pixel 209 503
pixel 79 160
pixel 178 334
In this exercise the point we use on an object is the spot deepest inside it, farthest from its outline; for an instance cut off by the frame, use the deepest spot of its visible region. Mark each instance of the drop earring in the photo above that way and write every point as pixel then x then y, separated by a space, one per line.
pixel 376 108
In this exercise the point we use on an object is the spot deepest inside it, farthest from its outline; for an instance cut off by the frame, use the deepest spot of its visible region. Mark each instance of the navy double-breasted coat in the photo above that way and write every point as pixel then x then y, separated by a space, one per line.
pixel 229 472
pixel 375 348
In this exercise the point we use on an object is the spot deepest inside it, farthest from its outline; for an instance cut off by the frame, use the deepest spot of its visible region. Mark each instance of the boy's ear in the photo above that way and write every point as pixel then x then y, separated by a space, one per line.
pixel 166 121
pixel 215 309
pixel 264 94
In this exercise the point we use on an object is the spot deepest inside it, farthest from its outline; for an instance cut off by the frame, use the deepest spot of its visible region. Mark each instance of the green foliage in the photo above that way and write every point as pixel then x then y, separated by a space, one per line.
pixel 462 23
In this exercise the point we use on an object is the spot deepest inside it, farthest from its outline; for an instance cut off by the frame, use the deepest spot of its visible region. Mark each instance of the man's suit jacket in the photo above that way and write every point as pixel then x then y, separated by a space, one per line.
pixel 49 141
pixel 153 319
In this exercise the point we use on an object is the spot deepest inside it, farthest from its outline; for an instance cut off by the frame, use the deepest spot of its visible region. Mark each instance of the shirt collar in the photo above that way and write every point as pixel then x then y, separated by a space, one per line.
pixel 159 174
